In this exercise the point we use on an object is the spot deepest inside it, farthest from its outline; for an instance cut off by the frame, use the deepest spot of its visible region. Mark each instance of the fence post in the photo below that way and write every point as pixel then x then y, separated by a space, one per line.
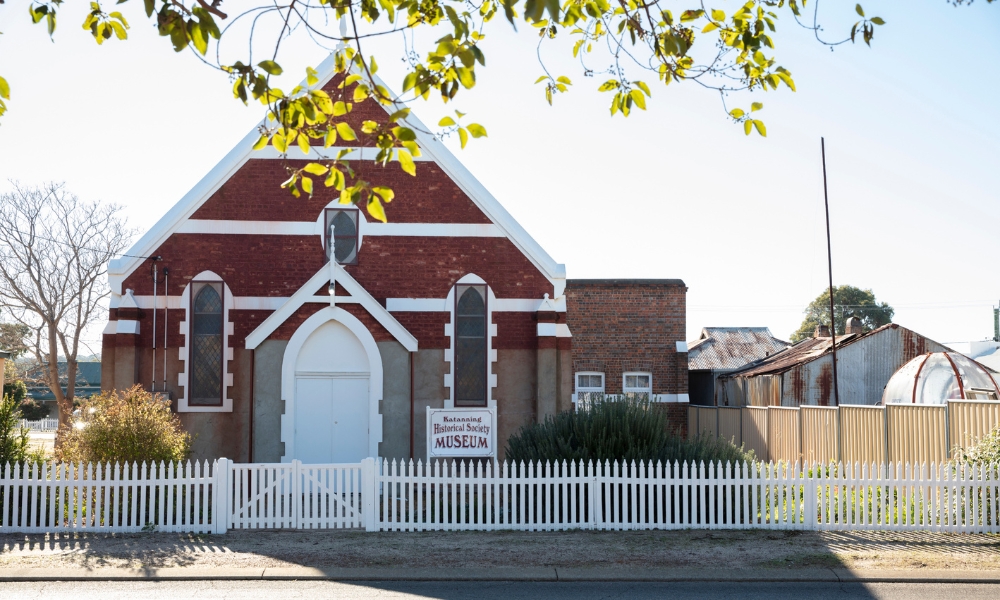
pixel 296 493
pixel 811 489
pixel 369 494
pixel 222 495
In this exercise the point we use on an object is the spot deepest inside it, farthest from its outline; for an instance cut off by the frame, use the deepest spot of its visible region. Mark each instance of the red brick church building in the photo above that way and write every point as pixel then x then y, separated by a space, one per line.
pixel 276 341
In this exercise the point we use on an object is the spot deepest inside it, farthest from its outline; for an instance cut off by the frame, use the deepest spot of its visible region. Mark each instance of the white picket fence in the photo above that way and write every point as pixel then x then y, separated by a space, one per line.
pixel 40 424
pixel 391 496
pixel 110 498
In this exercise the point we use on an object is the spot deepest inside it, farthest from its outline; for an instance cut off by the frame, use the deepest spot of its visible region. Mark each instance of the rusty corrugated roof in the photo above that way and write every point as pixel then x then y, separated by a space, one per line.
pixel 805 351
pixel 726 348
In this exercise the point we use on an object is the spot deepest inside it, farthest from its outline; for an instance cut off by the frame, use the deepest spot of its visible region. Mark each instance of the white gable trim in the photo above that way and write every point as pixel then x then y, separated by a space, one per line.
pixel 357 294
pixel 120 268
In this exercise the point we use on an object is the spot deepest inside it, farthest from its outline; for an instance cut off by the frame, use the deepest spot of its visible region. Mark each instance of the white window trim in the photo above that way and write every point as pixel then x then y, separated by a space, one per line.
pixel 577 390
pixel 449 354
pixel 227 352
pixel 320 227
pixel 635 390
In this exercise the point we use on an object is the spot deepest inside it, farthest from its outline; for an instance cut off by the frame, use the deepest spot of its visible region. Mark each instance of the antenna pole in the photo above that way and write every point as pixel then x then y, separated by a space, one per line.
pixel 829 263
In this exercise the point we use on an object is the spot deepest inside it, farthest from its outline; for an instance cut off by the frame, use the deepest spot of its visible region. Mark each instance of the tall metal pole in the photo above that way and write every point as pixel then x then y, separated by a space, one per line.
pixel 829 262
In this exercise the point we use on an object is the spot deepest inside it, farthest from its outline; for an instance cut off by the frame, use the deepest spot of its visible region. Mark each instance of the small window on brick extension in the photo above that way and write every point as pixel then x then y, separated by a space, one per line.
pixel 342 234
pixel 590 382
pixel 637 383
pixel 470 345
pixel 206 357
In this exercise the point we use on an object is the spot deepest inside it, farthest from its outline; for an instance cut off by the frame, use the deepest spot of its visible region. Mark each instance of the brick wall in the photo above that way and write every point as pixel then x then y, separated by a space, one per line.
pixel 629 325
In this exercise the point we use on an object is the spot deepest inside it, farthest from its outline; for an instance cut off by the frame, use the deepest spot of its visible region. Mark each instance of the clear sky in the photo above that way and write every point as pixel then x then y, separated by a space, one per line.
pixel 911 128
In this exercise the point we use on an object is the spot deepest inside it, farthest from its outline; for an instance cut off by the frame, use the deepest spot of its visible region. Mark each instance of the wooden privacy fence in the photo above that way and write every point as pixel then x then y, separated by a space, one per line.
pixel 866 434
pixel 377 496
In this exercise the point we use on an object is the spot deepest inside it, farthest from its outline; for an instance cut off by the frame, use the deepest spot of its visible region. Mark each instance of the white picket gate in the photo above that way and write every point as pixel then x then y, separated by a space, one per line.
pixel 390 496
pixel 294 495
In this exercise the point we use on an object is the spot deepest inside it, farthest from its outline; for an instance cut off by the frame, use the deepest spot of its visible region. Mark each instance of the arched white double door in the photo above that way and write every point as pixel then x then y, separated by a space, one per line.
pixel 334 391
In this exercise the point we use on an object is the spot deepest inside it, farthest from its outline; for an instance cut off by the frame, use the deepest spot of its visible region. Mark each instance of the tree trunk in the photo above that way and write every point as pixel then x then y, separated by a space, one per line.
pixel 65 407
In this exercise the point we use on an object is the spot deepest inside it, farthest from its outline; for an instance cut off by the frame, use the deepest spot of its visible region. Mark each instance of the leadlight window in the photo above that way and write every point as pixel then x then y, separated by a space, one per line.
pixel 471 330
pixel 342 234
pixel 206 357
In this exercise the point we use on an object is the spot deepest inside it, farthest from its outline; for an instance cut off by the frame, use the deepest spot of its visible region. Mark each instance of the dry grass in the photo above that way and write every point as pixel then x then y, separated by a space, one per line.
pixel 729 549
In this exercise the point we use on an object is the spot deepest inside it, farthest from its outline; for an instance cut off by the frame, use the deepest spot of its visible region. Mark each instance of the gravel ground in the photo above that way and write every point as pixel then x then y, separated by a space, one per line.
pixel 326 548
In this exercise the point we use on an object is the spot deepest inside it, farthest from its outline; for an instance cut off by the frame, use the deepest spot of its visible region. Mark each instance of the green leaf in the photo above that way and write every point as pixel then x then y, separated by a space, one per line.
pixel 375 208
pixel 477 130
pixel 858 8
pixel 638 98
pixel 330 138
pixel 307 185
pixel 406 161
pixel 311 78
pixel 346 132
pixel 756 106
pixel 270 67
pixel 878 20
pixel 120 17
pixel 304 143
pixel 280 143
pixel 4 89
pixel 120 31
pixel 261 142
pixel 315 169
pixel 386 193
pixel 759 126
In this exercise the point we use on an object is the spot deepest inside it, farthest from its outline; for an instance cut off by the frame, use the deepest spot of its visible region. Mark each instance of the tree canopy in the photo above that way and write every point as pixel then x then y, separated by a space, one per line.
pixel 848 301
pixel 627 48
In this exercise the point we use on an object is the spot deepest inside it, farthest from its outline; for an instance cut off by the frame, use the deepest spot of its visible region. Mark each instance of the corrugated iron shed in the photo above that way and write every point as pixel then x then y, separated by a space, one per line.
pixel 728 348
pixel 804 371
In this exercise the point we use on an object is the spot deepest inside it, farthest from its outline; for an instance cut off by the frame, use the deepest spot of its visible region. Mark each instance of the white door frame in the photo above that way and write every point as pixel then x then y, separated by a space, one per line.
pixel 291 356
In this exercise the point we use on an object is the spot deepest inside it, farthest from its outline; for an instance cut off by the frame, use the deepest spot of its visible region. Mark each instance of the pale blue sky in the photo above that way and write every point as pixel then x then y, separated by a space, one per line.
pixel 678 191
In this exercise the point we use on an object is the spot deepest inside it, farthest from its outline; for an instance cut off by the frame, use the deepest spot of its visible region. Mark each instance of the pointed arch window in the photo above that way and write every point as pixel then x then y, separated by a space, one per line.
pixel 342 239
pixel 471 352
pixel 206 360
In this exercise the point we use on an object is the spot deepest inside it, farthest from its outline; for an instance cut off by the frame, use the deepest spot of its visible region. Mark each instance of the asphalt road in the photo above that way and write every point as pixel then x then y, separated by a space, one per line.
pixel 460 590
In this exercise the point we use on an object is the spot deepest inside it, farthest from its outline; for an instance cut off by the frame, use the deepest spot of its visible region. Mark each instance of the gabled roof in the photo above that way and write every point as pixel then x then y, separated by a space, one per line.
pixel 120 268
pixel 726 348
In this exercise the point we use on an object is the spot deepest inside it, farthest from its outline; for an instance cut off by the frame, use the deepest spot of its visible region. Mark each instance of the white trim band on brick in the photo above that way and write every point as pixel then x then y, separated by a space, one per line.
pixel 441 305
pixel 127 326
pixel 309 228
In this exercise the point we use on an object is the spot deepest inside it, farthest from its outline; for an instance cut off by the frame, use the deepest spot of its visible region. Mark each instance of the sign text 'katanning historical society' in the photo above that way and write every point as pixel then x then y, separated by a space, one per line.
pixel 460 432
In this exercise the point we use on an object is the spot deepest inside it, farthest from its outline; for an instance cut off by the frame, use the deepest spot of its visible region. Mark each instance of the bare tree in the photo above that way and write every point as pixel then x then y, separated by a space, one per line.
pixel 54 251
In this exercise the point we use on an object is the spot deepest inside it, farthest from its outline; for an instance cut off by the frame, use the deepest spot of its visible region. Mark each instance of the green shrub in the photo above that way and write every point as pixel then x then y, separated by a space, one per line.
pixel 13 438
pixel 128 426
pixel 985 451
pixel 615 428
pixel 33 410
